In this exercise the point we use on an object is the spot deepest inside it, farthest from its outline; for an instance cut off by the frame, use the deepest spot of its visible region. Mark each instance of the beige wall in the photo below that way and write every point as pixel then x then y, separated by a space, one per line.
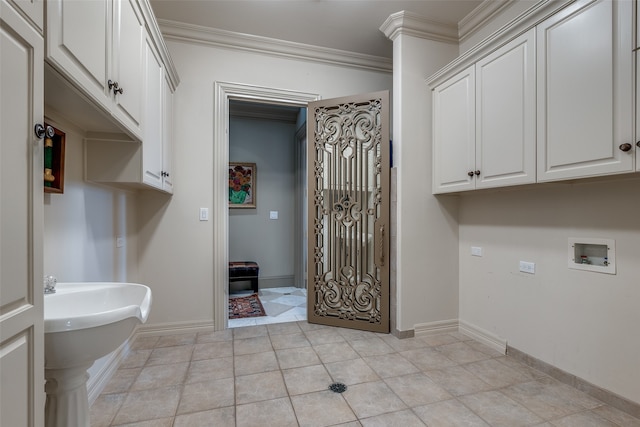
pixel 81 225
pixel 427 239
pixel 176 249
pixel 582 322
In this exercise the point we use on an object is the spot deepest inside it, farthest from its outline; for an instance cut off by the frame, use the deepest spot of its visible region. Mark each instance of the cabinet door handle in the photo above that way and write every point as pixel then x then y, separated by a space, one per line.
pixel 638 143
pixel 470 173
pixel 477 173
pixel 625 147
pixel 115 87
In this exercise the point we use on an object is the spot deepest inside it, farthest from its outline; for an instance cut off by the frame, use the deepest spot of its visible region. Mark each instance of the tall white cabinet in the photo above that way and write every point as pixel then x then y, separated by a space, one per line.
pixel 21 216
pixel 585 95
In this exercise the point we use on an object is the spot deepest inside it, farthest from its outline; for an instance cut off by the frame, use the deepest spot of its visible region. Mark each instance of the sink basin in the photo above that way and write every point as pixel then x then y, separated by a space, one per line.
pixel 85 321
pixel 82 323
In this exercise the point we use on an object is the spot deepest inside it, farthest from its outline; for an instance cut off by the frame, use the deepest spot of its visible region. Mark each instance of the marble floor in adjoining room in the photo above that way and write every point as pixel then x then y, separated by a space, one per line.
pixel 278 375
pixel 284 304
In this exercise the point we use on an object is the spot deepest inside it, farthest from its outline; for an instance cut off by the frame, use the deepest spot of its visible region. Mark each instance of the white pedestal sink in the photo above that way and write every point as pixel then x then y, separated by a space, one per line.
pixel 83 322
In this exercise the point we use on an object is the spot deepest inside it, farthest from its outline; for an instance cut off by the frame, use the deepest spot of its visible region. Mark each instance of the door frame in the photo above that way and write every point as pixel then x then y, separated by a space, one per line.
pixel 223 92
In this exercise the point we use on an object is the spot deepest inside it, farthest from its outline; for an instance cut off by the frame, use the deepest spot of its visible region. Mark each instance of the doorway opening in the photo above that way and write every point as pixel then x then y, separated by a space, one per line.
pixel 225 96
pixel 267 213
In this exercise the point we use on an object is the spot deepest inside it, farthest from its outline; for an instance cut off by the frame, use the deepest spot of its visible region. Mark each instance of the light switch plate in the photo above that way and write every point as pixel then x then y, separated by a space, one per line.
pixel 204 214
pixel 273 215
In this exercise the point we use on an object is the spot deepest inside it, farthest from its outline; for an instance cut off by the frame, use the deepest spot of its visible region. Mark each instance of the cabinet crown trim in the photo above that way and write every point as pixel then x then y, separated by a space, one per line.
pixel 413 24
pixel 528 19
pixel 158 40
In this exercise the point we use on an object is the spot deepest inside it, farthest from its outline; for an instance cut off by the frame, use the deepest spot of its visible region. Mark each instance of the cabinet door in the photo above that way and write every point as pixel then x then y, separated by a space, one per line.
pixel 637 142
pixel 33 10
pixel 454 133
pixel 78 34
pixel 584 90
pixel 152 142
pixel 505 115
pixel 128 63
pixel 167 139
pixel 21 222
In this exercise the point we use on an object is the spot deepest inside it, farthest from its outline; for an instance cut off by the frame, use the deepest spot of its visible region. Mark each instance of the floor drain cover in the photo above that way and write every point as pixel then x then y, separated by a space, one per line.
pixel 338 388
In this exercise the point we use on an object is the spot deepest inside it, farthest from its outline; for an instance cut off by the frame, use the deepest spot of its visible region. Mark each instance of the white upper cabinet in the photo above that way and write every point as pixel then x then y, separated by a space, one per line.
pixel 78 37
pixel 505 115
pixel 127 57
pixel 98 46
pixel 152 144
pixel 168 139
pixel 118 82
pixel 114 160
pixel 33 10
pixel 585 91
pixel 158 139
pixel 454 133
pixel 484 121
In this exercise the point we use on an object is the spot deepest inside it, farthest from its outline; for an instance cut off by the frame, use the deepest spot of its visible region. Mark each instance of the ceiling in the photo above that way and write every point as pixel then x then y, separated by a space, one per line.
pixel 350 25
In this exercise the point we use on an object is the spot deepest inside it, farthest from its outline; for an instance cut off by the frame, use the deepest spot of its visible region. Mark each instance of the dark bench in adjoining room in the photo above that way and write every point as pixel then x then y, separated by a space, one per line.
pixel 244 270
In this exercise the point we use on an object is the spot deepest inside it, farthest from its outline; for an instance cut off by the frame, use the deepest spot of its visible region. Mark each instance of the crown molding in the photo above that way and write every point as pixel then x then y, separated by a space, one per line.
pixel 173 30
pixel 480 16
pixel 409 23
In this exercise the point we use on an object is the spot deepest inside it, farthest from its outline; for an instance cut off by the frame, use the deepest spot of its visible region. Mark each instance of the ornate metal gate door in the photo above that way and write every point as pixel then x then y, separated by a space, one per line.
pixel 348 271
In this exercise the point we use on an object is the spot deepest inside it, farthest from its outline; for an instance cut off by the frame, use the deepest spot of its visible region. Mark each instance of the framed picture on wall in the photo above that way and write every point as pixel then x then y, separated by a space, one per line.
pixel 242 185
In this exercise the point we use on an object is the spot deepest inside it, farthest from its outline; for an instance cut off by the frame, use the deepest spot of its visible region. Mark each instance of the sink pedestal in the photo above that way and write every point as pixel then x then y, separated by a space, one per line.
pixel 67 402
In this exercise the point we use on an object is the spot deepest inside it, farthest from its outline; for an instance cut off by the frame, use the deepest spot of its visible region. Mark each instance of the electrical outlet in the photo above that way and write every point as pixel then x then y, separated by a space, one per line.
pixel 476 251
pixel 528 267
pixel 119 242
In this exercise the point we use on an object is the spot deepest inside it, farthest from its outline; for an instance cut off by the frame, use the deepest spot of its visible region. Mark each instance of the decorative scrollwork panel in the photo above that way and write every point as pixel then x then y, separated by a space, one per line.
pixel 348 182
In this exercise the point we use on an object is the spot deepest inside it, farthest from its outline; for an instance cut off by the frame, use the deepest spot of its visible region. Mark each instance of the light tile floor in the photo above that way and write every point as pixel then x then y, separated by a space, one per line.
pixel 285 304
pixel 278 375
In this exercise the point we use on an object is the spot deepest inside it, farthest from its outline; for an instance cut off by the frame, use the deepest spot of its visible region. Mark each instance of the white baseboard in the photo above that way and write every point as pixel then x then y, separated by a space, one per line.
pixel 173 328
pixel 109 364
pixel 485 337
pixel 433 328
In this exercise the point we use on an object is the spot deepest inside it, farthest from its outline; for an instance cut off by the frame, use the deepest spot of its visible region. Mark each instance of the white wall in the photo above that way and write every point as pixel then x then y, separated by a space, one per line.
pixel 582 322
pixel 427 239
pixel 176 250
pixel 252 235
pixel 81 225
